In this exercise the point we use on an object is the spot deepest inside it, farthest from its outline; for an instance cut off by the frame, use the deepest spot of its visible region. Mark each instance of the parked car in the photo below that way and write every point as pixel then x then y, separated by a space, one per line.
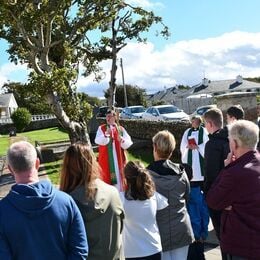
pixel 165 112
pixel 132 112
pixel 202 110
pixel 103 110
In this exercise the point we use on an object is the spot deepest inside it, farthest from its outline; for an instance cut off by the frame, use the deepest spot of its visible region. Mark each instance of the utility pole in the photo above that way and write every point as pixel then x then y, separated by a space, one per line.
pixel 123 79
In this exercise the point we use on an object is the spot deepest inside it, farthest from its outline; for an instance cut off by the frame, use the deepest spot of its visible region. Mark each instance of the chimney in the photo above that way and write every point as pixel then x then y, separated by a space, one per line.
pixel 239 79
pixel 205 82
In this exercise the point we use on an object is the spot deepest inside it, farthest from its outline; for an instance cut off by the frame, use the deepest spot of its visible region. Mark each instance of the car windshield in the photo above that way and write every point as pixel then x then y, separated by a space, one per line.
pixel 137 109
pixel 168 110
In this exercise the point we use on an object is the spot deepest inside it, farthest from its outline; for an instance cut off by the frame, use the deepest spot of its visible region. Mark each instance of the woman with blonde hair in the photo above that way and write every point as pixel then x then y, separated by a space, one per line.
pixel 99 203
pixel 141 234
pixel 171 181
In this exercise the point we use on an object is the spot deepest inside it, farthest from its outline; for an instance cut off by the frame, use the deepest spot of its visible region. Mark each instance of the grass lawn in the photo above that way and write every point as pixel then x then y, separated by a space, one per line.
pixel 49 134
pixel 53 169
pixel 55 134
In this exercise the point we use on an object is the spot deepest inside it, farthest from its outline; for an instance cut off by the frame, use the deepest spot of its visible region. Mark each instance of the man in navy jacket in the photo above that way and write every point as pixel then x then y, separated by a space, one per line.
pixel 237 192
pixel 36 220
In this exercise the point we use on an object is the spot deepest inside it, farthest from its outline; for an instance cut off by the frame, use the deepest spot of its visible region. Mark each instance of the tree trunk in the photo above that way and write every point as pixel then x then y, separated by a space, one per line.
pixel 112 83
pixel 76 131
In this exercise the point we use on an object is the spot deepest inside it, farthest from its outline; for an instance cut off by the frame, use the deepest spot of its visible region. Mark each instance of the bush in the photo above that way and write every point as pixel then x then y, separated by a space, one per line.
pixel 21 118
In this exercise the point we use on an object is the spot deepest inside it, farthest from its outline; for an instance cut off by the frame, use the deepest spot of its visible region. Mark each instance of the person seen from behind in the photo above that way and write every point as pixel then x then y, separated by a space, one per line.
pixel 38 221
pixel 236 192
pixel 216 151
pixel 141 203
pixel 99 203
pixel 172 182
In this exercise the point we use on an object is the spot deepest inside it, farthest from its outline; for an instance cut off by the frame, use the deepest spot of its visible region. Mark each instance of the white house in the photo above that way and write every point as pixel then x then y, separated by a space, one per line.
pixel 7 105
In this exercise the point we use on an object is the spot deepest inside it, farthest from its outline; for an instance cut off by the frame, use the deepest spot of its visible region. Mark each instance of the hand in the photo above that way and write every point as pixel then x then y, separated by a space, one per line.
pixel 230 158
pixel 108 132
pixel 228 208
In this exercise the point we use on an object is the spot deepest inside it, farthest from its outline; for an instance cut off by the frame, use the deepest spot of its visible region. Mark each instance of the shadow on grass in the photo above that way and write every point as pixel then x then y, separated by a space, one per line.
pixel 52 169
pixel 145 155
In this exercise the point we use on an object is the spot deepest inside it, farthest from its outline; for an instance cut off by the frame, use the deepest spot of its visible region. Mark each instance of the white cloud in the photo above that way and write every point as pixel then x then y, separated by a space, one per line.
pixel 11 72
pixel 185 62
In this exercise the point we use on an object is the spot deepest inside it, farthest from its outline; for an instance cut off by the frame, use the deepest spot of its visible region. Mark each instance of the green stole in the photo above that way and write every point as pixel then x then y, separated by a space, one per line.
pixel 200 141
pixel 111 157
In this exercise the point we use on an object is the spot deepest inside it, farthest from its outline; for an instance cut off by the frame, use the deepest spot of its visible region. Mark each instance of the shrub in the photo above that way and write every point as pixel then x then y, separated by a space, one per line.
pixel 21 118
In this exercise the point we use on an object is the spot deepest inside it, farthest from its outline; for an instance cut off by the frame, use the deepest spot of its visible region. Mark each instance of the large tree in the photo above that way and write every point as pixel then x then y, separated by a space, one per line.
pixel 129 23
pixel 52 37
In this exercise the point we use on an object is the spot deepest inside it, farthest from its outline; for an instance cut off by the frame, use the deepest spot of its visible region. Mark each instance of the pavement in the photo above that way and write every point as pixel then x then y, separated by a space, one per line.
pixel 212 250
pixel 7 180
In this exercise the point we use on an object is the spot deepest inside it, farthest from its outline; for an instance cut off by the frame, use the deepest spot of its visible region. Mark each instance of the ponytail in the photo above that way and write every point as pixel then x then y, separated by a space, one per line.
pixel 140 185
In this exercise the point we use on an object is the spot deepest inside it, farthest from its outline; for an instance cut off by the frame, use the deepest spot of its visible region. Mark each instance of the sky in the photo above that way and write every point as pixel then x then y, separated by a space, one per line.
pixel 213 39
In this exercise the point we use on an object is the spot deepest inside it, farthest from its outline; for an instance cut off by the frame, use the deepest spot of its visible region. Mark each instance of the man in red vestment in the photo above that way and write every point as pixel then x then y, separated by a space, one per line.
pixel 112 140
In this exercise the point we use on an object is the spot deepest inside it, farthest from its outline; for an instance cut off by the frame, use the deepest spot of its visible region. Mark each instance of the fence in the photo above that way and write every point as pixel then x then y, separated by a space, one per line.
pixel 8 120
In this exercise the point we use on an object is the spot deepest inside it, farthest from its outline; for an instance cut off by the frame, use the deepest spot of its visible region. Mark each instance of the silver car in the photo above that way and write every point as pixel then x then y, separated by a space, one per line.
pixel 165 113
pixel 132 112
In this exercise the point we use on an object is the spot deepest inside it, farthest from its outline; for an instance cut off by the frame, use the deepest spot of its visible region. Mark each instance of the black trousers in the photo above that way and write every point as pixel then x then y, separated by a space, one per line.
pixel 215 216
pixel 233 257
pixel 196 251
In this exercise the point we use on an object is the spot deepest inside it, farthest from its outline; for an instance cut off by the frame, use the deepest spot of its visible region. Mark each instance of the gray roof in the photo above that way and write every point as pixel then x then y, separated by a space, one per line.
pixel 167 94
pixel 216 87
pixel 5 99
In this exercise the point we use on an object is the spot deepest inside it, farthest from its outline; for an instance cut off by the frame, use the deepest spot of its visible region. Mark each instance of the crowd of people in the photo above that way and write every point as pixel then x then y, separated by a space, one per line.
pixel 107 208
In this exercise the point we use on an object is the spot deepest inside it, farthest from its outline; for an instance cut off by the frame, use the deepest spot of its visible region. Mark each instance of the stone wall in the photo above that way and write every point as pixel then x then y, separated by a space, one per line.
pixel 246 99
pixel 145 130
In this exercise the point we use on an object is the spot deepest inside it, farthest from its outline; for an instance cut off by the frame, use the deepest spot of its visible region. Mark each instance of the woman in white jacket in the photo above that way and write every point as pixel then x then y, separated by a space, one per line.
pixel 140 201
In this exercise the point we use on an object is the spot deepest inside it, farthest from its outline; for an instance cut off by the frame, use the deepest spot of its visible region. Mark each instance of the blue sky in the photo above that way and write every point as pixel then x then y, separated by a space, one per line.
pixel 216 39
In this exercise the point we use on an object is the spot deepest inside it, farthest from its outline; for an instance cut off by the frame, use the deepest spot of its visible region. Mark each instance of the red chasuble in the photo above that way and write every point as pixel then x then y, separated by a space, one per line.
pixel 106 160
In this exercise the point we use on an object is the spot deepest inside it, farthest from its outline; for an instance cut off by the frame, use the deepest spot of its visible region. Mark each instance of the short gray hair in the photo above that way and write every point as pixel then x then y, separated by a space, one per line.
pixel 245 132
pixel 21 156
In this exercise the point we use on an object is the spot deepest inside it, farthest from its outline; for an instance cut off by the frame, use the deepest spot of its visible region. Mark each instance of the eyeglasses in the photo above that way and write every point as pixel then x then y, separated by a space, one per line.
pixel 109 116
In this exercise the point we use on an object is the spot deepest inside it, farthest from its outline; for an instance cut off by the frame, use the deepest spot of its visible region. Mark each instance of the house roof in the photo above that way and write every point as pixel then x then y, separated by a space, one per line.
pixel 5 99
pixel 206 87
pixel 224 86
pixel 166 94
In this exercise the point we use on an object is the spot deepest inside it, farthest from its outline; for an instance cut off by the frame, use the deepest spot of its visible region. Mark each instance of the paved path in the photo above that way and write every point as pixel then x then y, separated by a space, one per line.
pixel 212 250
pixel 7 180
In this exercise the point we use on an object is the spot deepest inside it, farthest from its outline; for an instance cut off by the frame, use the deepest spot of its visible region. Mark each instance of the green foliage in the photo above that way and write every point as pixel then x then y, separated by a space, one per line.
pixel 258 99
pixel 52 38
pixel 21 118
pixel 135 95
pixel 256 79
pixel 158 102
pixel 129 23
pixel 26 96
pixel 183 87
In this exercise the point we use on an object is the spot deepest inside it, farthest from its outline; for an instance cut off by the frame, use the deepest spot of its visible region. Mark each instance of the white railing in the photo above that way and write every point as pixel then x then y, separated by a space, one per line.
pixel 8 120
pixel 42 117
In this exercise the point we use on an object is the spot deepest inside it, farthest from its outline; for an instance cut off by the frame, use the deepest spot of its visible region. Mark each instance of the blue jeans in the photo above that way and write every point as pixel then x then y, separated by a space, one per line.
pixel 198 212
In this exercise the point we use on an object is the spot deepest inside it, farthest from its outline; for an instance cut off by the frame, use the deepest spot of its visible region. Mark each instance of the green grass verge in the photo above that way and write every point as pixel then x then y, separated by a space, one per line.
pixel 48 134
pixel 53 171
pixel 143 155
